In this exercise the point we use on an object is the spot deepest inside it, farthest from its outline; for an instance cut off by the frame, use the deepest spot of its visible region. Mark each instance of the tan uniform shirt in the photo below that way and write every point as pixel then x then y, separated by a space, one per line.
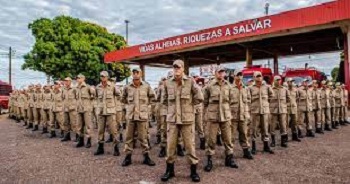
pixel 47 99
pixel 162 108
pixel 106 98
pixel 240 105
pixel 278 103
pixel 260 98
pixel 292 105
pixel 324 98
pixel 338 97
pixel 31 98
pixel 138 99
pixel 70 99
pixel 38 99
pixel 58 102
pixel 304 99
pixel 85 96
pixel 180 100
pixel 316 99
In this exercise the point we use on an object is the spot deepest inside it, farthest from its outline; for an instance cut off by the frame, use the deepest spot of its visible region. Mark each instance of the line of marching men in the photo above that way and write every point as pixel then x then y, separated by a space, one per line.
pixel 219 112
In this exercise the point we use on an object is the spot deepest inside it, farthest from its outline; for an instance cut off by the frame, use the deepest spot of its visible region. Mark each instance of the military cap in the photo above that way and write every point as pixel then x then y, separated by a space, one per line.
pixel 68 79
pixel 289 79
pixel 337 84
pixel 236 72
pixel 324 82
pixel 81 76
pixel 179 63
pixel 314 81
pixel 220 68
pixel 104 74
pixel 170 74
pixel 306 80
pixel 138 69
pixel 257 73
pixel 277 77
pixel 330 83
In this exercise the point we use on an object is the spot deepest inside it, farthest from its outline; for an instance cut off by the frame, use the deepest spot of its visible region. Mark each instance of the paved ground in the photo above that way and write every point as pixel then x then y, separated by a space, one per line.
pixel 28 157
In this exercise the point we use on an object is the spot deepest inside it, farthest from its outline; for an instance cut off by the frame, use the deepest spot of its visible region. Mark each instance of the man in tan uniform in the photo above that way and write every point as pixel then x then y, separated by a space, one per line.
pixel 218 96
pixel 339 101
pixel 106 94
pixel 31 106
pixel 260 95
pixel 46 107
pixel 70 109
pixel 37 107
pixel 162 112
pixel 240 114
pixel 305 112
pixel 137 96
pixel 316 106
pixel 345 105
pixel 198 109
pixel 325 106
pixel 180 96
pixel 57 110
pixel 85 96
pixel 293 109
pixel 332 103
pixel 278 110
pixel 25 107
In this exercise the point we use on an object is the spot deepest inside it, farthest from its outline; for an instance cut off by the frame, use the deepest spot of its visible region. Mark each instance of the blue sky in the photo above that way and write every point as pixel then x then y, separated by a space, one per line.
pixel 149 20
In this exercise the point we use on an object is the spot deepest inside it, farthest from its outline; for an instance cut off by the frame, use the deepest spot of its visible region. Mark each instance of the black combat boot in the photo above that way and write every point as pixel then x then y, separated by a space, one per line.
pixel 25 123
pixel 300 134
pixel 127 161
pixel 110 139
pixel 327 127
pixel 342 123
pixel 66 137
pixel 218 140
pixel 202 143
pixel 310 133
pixel 230 162
pixel 124 125
pixel 52 134
pixel 45 131
pixel 180 151
pixel 30 125
pixel 273 141
pixel 295 137
pixel 267 147
pixel 253 148
pixel 80 142
pixel 284 141
pixel 147 160
pixel 62 134
pixel 76 138
pixel 18 120
pixel 121 137
pixel 334 125
pixel 116 150
pixel 100 149
pixel 194 175
pixel 319 131
pixel 247 154
pixel 158 139
pixel 169 173
pixel 162 152
pixel 36 128
pixel 209 164
pixel 88 143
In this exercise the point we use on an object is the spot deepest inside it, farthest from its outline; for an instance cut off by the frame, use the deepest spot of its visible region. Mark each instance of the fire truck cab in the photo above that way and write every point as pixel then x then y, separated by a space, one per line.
pixel 5 90
pixel 248 73
pixel 299 74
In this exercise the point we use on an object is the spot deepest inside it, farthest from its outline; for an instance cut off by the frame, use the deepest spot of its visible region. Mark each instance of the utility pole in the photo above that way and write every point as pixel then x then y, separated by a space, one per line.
pixel 10 66
pixel 267 4
pixel 127 42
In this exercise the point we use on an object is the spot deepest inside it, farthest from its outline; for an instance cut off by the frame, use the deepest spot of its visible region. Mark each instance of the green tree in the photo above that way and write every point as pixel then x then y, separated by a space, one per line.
pixel 334 73
pixel 341 73
pixel 66 46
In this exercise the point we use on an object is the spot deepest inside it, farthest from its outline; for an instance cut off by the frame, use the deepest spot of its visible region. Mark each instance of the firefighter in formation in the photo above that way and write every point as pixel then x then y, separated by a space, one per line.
pixel 220 112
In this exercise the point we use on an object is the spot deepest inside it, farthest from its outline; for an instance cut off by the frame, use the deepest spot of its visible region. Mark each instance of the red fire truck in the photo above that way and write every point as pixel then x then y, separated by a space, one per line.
pixel 249 71
pixel 299 74
pixel 5 90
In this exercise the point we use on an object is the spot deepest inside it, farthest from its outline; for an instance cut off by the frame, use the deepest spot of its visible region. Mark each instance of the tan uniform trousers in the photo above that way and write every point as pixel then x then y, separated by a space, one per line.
pixel 344 113
pixel 281 119
pixel 24 114
pixel 118 118
pixel 211 136
pixel 45 114
pixel 332 113
pixel 240 128
pixel 95 116
pixel 84 124
pixel 325 116
pixel 59 118
pixel 19 112
pixel 163 130
pixel 142 135
pixel 37 115
pixel 317 118
pixel 260 121
pixel 293 122
pixel 111 123
pixel 30 114
pixel 305 117
pixel 187 132
pixel 70 121
pixel 199 124
pixel 337 113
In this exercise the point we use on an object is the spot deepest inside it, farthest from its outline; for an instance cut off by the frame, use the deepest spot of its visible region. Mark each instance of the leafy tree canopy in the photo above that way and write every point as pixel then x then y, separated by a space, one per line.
pixel 66 46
